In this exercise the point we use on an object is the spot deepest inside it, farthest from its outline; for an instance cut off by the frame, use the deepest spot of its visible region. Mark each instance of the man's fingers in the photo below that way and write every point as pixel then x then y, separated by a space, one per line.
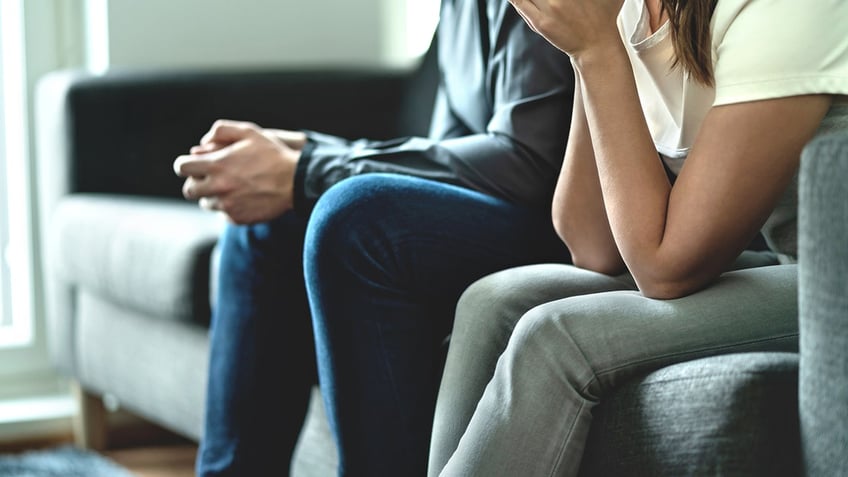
pixel 193 165
pixel 206 147
pixel 203 160
pixel 210 203
pixel 226 131
pixel 190 187
pixel 206 186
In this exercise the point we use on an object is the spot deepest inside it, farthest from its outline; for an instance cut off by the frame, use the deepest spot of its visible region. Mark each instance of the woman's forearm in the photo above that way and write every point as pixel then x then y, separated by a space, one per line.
pixel 673 240
pixel 578 210
pixel 633 182
pixel 677 240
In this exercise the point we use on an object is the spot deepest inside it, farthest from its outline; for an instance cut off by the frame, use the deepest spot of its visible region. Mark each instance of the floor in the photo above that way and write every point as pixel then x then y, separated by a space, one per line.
pixel 173 460
pixel 146 451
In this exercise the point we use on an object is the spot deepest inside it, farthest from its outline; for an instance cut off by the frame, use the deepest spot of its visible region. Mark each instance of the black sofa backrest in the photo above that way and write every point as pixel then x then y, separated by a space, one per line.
pixel 122 130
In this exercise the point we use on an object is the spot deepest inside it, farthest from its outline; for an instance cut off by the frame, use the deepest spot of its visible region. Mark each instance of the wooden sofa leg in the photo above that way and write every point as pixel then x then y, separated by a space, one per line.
pixel 89 423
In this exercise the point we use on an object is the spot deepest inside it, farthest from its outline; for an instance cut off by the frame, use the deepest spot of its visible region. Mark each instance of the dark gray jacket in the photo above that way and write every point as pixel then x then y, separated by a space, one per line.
pixel 500 121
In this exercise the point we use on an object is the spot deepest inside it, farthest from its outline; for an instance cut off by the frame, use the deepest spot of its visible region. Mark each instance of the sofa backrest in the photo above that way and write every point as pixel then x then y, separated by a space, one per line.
pixel 121 131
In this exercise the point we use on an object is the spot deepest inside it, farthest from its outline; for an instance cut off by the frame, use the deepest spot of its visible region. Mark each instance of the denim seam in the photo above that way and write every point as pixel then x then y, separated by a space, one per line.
pixel 565 440
pixel 587 363
pixel 388 371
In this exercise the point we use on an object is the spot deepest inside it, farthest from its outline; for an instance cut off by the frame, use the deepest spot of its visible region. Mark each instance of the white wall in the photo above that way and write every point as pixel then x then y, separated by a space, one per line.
pixel 238 33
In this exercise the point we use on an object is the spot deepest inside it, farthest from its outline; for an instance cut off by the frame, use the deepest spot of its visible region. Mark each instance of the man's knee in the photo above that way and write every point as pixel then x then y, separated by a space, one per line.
pixel 340 213
pixel 352 222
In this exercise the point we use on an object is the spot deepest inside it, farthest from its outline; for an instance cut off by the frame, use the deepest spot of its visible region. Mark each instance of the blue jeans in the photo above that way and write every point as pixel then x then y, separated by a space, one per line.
pixel 385 259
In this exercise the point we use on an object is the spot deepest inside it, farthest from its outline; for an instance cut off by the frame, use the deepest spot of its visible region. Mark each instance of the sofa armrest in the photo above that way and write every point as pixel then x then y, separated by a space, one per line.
pixel 148 255
pixel 823 305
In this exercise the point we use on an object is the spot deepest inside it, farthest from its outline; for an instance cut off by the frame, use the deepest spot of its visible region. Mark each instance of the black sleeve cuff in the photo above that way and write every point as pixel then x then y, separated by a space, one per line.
pixel 302 205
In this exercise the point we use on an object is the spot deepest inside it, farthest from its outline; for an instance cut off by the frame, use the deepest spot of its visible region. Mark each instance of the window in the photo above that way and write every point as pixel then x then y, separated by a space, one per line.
pixel 421 19
pixel 15 295
pixel 5 305
pixel 23 352
pixel 34 400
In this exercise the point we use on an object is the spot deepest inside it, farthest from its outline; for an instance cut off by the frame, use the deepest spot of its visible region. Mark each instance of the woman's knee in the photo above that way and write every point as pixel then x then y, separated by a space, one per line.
pixel 546 346
pixel 506 295
pixel 490 307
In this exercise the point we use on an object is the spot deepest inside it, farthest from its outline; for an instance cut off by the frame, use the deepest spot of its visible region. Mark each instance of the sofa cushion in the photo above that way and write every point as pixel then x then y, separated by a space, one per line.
pixel 149 255
pixel 726 415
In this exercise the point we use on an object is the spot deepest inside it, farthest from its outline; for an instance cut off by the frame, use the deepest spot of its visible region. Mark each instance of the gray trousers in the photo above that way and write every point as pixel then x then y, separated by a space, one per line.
pixel 535 348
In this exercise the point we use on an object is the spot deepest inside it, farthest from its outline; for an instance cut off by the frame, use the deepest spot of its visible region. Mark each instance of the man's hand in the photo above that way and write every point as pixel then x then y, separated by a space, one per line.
pixel 242 170
pixel 293 139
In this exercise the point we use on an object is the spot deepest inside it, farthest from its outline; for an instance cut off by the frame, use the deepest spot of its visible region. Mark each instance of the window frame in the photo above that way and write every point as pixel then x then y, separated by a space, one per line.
pixel 25 367
pixel 5 303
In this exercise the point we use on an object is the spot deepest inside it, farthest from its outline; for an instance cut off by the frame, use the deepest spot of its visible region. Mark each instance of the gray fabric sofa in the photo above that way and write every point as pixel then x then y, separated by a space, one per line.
pixel 127 263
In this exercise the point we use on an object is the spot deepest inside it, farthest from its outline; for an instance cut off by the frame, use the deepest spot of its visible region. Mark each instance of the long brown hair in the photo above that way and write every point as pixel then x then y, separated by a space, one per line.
pixel 690 35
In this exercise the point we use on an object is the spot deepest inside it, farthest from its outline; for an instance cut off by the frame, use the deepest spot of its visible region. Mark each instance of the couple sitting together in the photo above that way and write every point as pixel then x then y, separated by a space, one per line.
pixel 588 160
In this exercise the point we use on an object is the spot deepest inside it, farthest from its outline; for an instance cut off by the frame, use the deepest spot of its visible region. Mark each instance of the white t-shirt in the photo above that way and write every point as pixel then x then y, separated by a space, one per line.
pixel 761 49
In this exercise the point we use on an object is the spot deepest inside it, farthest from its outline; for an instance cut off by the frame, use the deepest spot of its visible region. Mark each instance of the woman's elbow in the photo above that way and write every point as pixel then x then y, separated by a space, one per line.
pixel 669 288
pixel 604 264
pixel 663 291
pixel 597 259
pixel 588 253
pixel 560 223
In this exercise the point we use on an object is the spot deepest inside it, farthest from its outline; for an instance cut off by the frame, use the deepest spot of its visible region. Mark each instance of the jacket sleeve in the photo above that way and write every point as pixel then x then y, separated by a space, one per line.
pixel 509 145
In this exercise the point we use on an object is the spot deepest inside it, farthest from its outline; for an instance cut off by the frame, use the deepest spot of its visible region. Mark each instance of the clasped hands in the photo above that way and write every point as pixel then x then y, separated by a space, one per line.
pixel 242 170
pixel 574 26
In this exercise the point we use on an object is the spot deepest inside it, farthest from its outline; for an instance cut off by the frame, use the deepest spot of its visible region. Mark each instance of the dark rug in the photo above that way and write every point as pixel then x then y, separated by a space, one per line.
pixel 65 461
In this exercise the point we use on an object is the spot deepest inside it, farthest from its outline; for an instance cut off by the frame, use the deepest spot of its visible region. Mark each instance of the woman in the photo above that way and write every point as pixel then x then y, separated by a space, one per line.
pixel 733 89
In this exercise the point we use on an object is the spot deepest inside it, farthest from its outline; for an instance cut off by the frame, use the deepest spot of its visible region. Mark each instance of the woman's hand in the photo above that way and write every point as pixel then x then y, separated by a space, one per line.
pixel 573 26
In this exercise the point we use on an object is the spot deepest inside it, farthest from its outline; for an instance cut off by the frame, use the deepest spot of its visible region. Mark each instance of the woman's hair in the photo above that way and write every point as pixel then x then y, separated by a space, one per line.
pixel 690 35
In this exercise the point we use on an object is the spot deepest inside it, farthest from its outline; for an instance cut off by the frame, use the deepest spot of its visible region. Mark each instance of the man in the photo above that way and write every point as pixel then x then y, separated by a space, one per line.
pixel 375 241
